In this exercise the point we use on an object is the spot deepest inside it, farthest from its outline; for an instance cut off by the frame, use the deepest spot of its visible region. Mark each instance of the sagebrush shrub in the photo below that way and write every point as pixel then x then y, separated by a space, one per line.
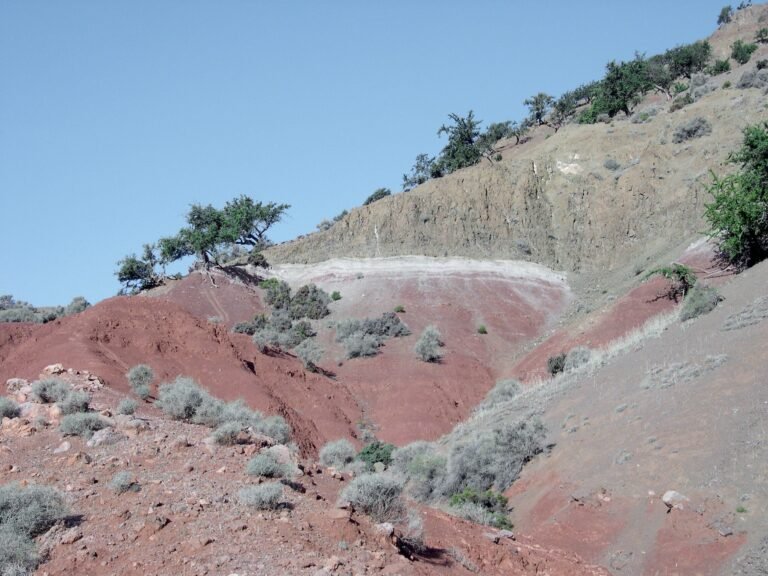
pixel 358 345
pixel 576 358
pixel 503 391
pixel 50 390
pixel 123 482
pixel 261 497
pixel 181 399
pixel 81 424
pixel 695 128
pixel 556 363
pixel 278 293
pixel 337 454
pixel 226 434
pixel 18 555
pixel 266 465
pixel 309 353
pixel 428 345
pixel 376 451
pixel 127 406
pixel 377 495
pixel 140 378
pixel 489 507
pixel 74 402
pixel 30 510
pixel 701 299
pixel 9 408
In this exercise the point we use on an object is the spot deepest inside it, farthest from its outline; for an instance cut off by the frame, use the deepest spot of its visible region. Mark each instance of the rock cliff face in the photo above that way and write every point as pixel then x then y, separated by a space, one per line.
pixel 586 198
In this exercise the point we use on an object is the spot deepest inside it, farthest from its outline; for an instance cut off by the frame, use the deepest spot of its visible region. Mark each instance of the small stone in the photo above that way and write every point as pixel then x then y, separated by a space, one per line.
pixel 493 537
pixel 63 447
pixel 379 467
pixel 385 528
pixel 674 499
pixel 105 437
pixel 54 369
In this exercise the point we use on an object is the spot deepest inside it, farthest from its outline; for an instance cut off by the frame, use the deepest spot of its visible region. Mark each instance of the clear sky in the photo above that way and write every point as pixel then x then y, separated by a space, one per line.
pixel 116 116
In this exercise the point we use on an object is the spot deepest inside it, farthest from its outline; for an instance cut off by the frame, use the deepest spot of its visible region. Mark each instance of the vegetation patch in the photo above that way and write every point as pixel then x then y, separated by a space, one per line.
pixel 140 378
pixel 337 454
pixel 377 495
pixel 82 424
pixel 489 507
pixel 700 300
pixel 261 497
pixel 428 345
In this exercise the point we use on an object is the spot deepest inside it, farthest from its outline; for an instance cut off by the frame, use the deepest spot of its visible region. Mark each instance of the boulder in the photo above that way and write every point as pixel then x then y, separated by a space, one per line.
pixel 674 499
pixel 54 369
pixel 15 385
pixel 105 436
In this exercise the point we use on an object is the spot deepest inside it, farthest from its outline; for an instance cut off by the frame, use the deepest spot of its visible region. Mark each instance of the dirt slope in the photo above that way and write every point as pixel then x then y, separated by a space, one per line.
pixel 553 201
pixel 685 412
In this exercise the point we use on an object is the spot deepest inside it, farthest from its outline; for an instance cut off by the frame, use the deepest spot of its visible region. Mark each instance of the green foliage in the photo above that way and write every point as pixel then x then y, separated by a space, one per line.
pixel 587 92
pixel 246 222
pixel 688 59
pixel 681 277
pixel 761 64
pixel 136 274
pixel 564 108
pixel 81 424
pixel 140 378
pixel 700 300
pixel 337 454
pixel 78 304
pixel 399 309
pixel 462 149
pixel 492 505
pixel 719 67
pixel 50 390
pixel 679 87
pixel 742 51
pixel 539 106
pixel 376 451
pixel 377 495
pixel 335 295
pixel 761 37
pixel 309 302
pixel 364 337
pixel 424 168
pixel 262 496
pixel 378 194
pixel 623 86
pixel 482 329
pixel 495 132
pixel 726 84
pixel 556 364
pixel 340 216
pixel 428 345
pixel 726 12
pixel 738 215
pixel 278 293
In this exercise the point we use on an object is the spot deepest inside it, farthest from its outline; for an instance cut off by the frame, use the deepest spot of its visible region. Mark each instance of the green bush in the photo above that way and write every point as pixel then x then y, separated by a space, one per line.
pixel 742 51
pixel 761 37
pixel 181 399
pixel 489 507
pixel 309 302
pixel 738 214
pixel 140 378
pixel 8 408
pixel 481 329
pixel 278 293
pixel 377 495
pixel 761 64
pixel 681 277
pixel 428 345
pixel 719 67
pixel 611 164
pixel 74 402
pixel 556 364
pixel 267 466
pixel 337 454
pixel 261 497
pixel 376 451
pixel 81 424
pixel 377 195
pixel 127 406
pixel 335 295
pixel 725 15
pixel 399 309
pixel 423 468
pixel 50 390
pixel 700 300
pixel 726 84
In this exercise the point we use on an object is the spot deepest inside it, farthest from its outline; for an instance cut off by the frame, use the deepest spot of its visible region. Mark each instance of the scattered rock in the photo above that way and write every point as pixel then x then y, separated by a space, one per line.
pixel 674 499
pixel 63 447
pixel 385 528
pixel 15 385
pixel 105 437
pixel 54 369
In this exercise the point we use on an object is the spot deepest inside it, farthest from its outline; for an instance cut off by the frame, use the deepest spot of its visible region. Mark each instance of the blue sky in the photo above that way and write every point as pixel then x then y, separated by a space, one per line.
pixel 116 116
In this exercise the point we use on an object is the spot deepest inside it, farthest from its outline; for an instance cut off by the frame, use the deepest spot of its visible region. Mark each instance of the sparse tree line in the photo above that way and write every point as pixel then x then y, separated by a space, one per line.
pixel 211 235
pixel 12 310
pixel 622 87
